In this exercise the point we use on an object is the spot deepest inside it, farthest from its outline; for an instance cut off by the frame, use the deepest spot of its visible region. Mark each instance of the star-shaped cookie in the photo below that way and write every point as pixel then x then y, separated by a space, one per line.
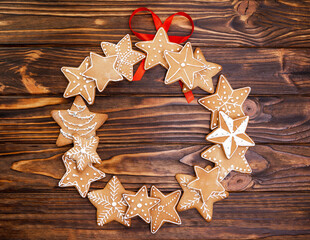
pixel 126 57
pixel 183 66
pixel 78 84
pixel 203 79
pixel 237 162
pixel 102 70
pixel 140 204
pixel 80 180
pixel 225 99
pixel 110 203
pixel 155 49
pixel 231 134
pixel 84 151
pixel 77 120
pixel 165 211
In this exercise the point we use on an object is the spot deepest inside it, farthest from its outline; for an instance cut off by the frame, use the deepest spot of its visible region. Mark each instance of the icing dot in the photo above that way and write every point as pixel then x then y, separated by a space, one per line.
pixel 139 205
pixel 113 204
pixel 87 174
pixel 94 173
pixel 183 64
pixel 67 178
pixel 81 179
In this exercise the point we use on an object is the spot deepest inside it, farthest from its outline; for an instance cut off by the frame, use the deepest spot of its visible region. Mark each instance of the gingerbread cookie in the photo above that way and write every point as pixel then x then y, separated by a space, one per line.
pixel 155 49
pixel 203 79
pixel 165 211
pixel 140 204
pixel 77 120
pixel 231 134
pixel 126 57
pixel 110 203
pixel 225 99
pixel 183 66
pixel 84 151
pixel 237 162
pixel 102 70
pixel 80 180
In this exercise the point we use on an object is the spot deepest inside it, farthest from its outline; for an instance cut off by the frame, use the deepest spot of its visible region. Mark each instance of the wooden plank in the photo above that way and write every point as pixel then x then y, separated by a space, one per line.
pixel 218 23
pixel 282 119
pixel 57 215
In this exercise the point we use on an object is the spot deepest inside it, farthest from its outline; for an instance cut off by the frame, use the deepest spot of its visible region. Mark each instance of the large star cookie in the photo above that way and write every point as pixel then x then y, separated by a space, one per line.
pixel 80 180
pixel 231 134
pixel 140 204
pixel 110 203
pixel 77 120
pixel 203 79
pixel 155 49
pixel 79 85
pixel 126 57
pixel 102 70
pixel 225 99
pixel 84 151
pixel 183 66
pixel 237 162
pixel 165 211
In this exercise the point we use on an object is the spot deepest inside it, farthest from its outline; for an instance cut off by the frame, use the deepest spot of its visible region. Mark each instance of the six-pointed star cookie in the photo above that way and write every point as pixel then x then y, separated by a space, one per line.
pixel 206 182
pixel 155 49
pixel 80 180
pixel 110 203
pixel 78 84
pixel 165 211
pixel 203 79
pixel 77 120
pixel 191 198
pixel 225 99
pixel 140 204
pixel 183 66
pixel 231 134
pixel 84 151
pixel 102 70
pixel 126 57
pixel 237 162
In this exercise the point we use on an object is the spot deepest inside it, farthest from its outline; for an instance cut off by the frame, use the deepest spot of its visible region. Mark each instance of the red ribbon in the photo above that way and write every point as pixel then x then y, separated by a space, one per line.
pixel 148 37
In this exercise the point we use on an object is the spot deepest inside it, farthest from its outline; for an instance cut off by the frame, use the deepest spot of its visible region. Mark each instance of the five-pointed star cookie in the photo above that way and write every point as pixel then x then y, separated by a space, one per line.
pixel 183 66
pixel 165 211
pixel 126 57
pixel 191 198
pixel 206 182
pixel 140 204
pixel 78 84
pixel 203 79
pixel 237 162
pixel 84 151
pixel 77 120
pixel 155 49
pixel 102 70
pixel 80 180
pixel 110 203
pixel 225 99
pixel 231 134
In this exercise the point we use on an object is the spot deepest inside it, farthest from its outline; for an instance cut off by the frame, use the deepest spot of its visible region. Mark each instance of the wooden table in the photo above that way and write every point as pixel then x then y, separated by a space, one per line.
pixel 152 132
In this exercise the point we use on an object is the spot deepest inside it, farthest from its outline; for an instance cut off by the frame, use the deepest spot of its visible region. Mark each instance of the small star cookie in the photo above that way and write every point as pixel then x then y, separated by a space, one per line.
pixel 237 162
pixel 231 134
pixel 110 203
pixel 84 151
pixel 102 70
pixel 79 85
pixel 140 204
pixel 126 57
pixel 165 211
pixel 203 79
pixel 225 99
pixel 155 49
pixel 80 180
pixel 183 66
pixel 77 120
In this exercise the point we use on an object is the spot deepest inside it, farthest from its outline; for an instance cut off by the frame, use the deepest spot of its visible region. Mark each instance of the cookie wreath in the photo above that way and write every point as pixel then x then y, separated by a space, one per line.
pixel 191 69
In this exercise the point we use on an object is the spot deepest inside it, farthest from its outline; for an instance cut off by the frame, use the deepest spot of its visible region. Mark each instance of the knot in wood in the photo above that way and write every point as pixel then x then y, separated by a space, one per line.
pixel 251 108
pixel 247 7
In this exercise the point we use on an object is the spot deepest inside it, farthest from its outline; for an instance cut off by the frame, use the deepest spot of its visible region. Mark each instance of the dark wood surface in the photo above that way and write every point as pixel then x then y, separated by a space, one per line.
pixel 152 133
